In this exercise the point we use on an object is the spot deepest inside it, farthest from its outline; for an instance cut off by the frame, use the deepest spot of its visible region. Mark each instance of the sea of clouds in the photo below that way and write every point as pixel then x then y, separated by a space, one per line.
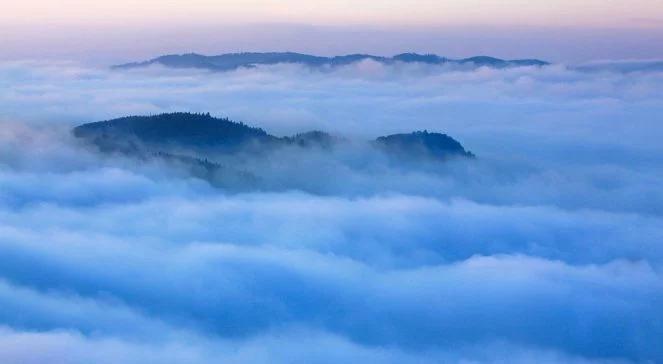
pixel 547 248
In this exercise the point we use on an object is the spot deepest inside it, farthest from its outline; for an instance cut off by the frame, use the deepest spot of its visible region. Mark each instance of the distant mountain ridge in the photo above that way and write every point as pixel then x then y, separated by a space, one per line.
pixel 233 61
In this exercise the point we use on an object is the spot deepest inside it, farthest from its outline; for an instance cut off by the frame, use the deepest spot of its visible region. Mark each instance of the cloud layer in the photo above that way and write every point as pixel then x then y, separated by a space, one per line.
pixel 547 248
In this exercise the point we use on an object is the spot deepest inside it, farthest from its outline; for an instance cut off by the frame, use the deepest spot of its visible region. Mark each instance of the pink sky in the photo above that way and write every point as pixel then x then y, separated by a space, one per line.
pixel 561 30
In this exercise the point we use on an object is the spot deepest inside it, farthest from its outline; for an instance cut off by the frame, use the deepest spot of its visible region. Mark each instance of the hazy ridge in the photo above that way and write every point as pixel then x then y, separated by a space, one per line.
pixel 232 61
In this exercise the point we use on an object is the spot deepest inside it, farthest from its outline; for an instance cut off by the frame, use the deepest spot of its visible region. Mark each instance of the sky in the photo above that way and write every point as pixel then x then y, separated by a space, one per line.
pixel 589 13
pixel 562 30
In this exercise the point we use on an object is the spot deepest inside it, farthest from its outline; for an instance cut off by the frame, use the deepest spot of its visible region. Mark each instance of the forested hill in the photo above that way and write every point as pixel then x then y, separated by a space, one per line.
pixel 182 129
pixel 194 131
pixel 422 143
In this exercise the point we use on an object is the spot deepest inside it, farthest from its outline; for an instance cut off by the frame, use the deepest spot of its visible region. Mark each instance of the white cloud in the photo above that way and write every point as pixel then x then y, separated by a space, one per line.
pixel 547 248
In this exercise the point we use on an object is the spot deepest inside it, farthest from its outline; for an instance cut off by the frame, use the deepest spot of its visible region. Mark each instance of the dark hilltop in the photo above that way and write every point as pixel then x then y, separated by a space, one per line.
pixel 226 152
